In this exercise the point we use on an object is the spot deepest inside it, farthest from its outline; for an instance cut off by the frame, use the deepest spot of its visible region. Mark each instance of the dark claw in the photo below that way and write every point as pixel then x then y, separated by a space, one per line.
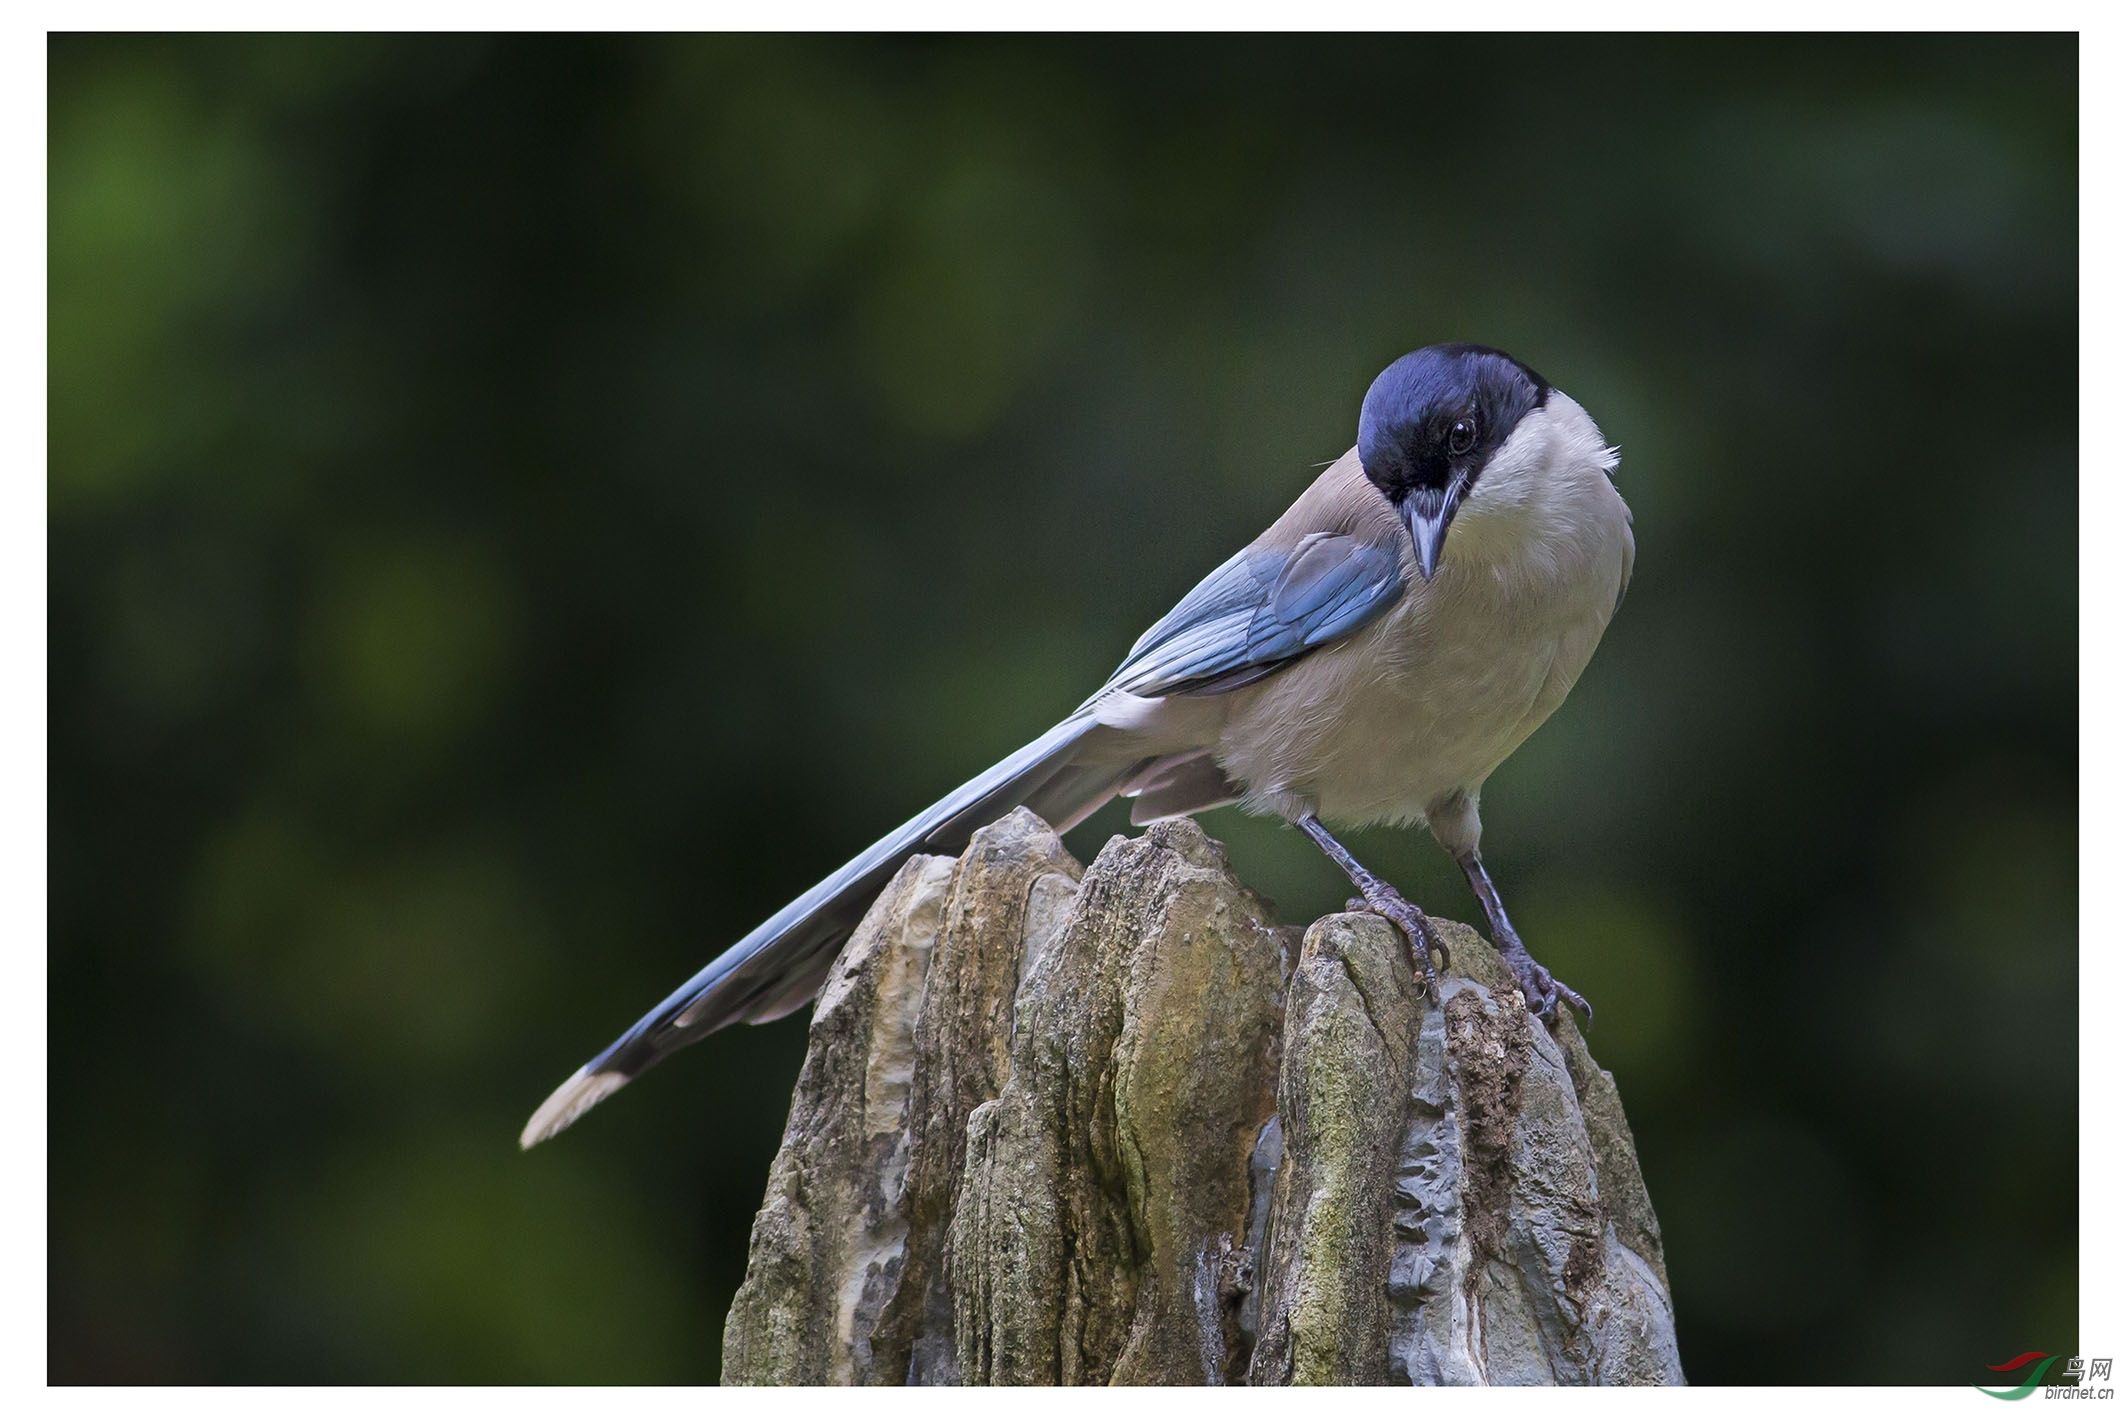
pixel 1542 989
pixel 1439 942
pixel 1415 928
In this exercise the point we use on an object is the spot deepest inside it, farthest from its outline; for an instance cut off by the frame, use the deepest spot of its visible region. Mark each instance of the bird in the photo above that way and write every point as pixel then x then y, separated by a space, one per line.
pixel 1369 659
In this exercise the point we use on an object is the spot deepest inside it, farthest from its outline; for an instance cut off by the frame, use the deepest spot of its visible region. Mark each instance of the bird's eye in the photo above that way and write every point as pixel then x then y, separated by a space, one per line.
pixel 1462 436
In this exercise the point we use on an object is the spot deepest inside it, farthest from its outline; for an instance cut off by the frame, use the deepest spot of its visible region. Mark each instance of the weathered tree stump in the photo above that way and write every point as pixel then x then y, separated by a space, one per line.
pixel 1116 1125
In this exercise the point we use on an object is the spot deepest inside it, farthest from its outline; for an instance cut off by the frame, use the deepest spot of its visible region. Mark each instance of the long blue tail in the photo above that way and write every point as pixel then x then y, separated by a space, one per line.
pixel 783 962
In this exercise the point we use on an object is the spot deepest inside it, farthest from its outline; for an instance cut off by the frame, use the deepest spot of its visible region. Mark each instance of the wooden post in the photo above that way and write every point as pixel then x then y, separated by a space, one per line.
pixel 1116 1125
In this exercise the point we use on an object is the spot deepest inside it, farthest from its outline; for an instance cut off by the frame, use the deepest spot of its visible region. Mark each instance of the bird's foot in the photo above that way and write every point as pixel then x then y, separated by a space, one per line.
pixel 1416 928
pixel 1539 987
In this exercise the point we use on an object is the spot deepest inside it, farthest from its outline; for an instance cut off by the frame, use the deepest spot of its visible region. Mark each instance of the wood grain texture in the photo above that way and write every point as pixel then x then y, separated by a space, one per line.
pixel 1117 1125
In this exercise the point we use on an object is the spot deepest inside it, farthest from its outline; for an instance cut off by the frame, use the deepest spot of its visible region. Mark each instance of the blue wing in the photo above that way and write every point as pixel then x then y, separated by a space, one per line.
pixel 1264 608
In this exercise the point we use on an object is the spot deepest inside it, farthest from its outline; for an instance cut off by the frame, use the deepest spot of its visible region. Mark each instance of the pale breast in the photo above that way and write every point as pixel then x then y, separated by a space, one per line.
pixel 1431 698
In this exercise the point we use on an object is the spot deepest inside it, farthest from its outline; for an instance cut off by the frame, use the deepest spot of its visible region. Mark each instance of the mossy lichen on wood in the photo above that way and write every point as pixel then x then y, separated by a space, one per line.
pixel 1130 1130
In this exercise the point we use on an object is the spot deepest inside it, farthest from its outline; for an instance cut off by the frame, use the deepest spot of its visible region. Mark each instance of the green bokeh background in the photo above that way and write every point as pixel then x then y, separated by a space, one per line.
pixel 520 510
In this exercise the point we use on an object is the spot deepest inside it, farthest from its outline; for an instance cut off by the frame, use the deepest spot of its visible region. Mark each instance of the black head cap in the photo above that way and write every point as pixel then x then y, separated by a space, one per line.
pixel 1440 412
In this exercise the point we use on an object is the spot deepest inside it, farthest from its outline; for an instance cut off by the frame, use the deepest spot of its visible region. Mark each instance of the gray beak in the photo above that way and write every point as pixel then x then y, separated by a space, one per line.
pixel 1426 512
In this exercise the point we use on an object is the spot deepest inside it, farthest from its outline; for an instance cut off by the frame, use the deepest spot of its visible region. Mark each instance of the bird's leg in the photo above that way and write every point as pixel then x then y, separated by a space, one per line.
pixel 1384 900
pixel 1542 989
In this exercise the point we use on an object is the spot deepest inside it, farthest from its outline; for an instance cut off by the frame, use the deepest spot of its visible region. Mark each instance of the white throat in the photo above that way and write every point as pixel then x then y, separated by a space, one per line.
pixel 1535 489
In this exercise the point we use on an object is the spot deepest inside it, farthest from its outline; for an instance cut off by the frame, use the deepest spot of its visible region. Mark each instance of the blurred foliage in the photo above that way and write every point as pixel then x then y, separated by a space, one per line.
pixel 523 509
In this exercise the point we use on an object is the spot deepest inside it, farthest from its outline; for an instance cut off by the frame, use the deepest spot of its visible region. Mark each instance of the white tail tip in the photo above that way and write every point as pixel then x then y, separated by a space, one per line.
pixel 582 1092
